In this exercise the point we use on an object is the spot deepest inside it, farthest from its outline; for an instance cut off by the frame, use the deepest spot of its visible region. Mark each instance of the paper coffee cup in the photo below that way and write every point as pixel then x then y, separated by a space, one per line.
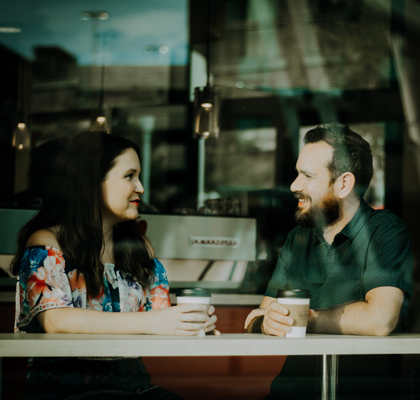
pixel 297 302
pixel 195 296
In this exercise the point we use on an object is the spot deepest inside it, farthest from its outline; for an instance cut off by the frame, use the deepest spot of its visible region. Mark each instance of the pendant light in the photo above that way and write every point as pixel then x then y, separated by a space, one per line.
pixel 206 99
pixel 206 117
pixel 100 116
pixel 100 119
pixel 21 136
pixel 206 112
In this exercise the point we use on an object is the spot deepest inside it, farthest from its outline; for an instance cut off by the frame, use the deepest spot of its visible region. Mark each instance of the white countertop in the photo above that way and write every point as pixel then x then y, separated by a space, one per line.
pixel 78 345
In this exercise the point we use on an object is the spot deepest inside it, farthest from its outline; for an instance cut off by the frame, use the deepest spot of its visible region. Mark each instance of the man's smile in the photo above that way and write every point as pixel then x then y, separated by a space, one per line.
pixel 302 202
pixel 301 198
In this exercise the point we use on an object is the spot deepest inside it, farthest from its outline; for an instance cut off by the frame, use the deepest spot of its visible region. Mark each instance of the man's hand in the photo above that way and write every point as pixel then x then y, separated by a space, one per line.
pixel 277 321
pixel 377 316
pixel 271 318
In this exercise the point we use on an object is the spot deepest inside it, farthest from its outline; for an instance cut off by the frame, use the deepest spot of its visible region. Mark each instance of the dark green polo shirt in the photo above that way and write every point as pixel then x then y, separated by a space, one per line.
pixel 373 250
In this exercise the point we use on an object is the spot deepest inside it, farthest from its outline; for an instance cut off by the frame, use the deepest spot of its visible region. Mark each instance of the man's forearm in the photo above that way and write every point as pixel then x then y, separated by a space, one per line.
pixel 358 318
pixel 327 320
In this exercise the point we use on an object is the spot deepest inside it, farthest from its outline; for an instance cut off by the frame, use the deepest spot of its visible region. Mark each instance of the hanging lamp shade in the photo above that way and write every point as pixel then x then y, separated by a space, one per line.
pixel 21 136
pixel 100 121
pixel 21 139
pixel 206 112
pixel 100 118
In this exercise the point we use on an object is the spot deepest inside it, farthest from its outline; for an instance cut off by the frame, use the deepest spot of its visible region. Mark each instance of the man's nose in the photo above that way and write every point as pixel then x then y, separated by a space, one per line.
pixel 296 185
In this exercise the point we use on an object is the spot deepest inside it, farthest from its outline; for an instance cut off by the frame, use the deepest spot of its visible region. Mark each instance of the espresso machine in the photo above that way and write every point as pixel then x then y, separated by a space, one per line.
pixel 204 251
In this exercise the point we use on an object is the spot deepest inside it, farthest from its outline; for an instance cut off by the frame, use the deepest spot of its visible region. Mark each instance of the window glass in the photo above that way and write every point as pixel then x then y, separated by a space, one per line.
pixel 66 65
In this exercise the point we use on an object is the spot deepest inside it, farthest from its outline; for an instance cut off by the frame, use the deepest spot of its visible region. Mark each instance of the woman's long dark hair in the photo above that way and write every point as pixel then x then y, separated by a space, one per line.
pixel 73 203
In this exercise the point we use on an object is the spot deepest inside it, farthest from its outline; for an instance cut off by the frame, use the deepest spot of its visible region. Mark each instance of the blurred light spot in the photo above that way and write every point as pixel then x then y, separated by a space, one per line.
pixel 163 49
pixel 240 84
pixel 103 15
pixel 88 15
pixel 9 29
pixel 85 16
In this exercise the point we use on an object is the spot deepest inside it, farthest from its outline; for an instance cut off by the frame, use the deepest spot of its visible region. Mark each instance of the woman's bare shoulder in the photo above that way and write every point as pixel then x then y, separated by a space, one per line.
pixel 149 247
pixel 44 237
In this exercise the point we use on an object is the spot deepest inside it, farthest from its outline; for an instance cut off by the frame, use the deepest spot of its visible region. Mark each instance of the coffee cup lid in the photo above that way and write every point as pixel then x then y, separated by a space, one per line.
pixel 294 294
pixel 193 292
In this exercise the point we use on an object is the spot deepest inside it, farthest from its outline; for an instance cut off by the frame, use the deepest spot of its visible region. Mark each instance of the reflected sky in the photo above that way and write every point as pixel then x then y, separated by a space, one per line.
pixel 138 32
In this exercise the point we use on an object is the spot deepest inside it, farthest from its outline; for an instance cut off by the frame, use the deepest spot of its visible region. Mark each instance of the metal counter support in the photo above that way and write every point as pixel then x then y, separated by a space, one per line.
pixel 329 376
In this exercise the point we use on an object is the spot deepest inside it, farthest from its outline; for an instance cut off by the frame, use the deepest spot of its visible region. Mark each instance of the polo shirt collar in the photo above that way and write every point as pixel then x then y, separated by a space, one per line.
pixel 351 230
pixel 358 221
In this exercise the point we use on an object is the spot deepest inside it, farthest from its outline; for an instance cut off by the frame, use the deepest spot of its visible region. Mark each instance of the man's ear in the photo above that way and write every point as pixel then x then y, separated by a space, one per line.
pixel 346 184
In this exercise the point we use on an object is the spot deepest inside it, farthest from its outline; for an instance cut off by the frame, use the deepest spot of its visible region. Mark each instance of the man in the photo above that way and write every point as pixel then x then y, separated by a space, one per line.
pixel 356 262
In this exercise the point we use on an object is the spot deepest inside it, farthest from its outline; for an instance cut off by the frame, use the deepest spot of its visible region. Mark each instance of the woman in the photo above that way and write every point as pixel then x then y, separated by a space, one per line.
pixel 81 260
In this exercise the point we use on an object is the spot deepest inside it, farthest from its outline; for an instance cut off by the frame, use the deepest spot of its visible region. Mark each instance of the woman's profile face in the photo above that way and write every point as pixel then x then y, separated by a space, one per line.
pixel 121 189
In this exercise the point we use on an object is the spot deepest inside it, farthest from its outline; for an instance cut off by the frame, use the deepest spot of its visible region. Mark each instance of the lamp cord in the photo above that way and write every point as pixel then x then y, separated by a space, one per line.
pixel 21 90
pixel 208 41
pixel 102 87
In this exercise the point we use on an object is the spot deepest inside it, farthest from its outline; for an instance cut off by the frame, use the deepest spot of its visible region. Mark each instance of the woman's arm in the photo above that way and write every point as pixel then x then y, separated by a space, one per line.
pixel 179 320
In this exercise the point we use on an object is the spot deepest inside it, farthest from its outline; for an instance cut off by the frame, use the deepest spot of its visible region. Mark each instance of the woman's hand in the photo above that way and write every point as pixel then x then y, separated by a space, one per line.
pixel 211 323
pixel 183 320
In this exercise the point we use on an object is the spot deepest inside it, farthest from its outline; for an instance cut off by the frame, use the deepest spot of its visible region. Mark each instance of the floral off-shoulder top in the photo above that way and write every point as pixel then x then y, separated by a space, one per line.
pixel 47 280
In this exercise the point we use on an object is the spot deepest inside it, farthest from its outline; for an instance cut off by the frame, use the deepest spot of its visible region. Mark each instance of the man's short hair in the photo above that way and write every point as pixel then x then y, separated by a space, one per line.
pixel 351 153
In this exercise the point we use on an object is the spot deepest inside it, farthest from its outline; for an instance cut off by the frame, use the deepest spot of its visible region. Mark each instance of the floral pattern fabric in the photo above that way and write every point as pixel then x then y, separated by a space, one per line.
pixel 47 280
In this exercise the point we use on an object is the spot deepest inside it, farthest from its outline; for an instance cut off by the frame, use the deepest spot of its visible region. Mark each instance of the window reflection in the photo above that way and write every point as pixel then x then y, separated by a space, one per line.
pixel 278 66
pixel 105 68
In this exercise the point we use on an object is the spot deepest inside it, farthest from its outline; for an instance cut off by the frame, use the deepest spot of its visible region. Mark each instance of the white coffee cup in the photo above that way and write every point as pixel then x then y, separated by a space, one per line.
pixel 297 302
pixel 194 296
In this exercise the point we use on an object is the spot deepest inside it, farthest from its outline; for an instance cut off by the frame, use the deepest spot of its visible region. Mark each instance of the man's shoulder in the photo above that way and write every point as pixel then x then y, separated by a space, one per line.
pixel 384 225
pixel 386 218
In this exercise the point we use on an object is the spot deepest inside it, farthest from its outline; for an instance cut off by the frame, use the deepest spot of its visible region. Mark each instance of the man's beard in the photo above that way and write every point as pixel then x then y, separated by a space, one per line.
pixel 320 214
